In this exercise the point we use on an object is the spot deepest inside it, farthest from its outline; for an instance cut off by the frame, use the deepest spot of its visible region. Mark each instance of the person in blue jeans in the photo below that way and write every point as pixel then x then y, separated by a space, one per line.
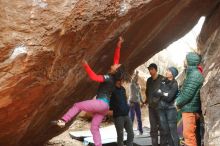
pixel 134 101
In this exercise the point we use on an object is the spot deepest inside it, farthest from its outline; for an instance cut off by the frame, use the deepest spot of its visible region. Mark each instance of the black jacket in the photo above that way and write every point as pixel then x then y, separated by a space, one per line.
pixel 118 102
pixel 168 94
pixel 151 87
pixel 106 88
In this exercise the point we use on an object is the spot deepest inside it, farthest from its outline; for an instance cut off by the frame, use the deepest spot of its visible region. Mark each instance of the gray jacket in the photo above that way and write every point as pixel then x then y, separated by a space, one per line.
pixel 135 92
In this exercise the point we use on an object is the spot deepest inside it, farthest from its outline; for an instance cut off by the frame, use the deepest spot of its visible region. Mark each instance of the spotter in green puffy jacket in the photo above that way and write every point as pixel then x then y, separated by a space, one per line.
pixel 189 97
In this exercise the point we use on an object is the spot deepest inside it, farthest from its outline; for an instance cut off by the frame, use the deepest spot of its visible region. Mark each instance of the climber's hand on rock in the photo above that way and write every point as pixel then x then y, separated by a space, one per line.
pixel 84 61
pixel 120 40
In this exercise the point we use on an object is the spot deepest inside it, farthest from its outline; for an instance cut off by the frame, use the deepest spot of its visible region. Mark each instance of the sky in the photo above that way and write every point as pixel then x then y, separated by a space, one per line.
pixel 175 52
pixel 185 44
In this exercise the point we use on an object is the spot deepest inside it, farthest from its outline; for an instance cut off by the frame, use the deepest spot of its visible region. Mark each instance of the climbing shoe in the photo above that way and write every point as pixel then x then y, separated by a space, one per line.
pixel 59 123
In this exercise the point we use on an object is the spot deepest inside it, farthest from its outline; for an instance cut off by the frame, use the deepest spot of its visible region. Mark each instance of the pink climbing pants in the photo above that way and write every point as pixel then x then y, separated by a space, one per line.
pixel 99 109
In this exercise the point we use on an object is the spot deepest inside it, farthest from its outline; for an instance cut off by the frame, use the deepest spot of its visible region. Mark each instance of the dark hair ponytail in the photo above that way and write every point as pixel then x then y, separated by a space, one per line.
pixel 120 73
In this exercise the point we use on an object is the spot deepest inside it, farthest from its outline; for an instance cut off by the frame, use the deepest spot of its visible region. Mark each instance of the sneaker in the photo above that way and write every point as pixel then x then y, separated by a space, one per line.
pixel 59 123
pixel 182 143
pixel 140 133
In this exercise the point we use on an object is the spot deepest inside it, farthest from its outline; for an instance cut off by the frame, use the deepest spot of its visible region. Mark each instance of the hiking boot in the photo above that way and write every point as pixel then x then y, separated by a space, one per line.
pixel 59 123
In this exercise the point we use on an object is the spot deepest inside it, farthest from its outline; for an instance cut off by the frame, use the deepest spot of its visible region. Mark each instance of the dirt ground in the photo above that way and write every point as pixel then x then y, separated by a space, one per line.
pixel 82 124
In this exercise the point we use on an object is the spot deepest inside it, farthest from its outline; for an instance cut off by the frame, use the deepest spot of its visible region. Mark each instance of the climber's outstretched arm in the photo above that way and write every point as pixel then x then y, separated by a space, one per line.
pixel 92 74
pixel 117 51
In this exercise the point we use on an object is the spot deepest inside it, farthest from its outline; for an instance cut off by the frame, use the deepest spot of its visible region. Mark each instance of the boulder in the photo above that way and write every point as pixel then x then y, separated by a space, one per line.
pixel 43 42
pixel 209 42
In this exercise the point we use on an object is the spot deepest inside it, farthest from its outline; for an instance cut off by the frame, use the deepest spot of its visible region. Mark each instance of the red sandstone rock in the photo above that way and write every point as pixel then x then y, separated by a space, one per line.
pixel 43 42
pixel 209 42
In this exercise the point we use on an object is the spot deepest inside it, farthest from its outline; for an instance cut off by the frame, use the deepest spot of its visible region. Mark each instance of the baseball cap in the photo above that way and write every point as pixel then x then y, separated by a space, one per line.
pixel 152 65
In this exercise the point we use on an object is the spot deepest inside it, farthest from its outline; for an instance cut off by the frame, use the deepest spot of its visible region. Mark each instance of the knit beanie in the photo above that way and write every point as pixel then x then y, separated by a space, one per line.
pixel 174 71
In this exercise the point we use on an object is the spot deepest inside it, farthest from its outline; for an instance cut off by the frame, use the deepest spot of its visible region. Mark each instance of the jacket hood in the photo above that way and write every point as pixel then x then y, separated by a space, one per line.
pixel 193 59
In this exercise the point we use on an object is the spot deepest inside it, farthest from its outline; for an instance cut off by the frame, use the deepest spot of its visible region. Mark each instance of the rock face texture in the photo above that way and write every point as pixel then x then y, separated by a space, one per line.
pixel 43 42
pixel 209 44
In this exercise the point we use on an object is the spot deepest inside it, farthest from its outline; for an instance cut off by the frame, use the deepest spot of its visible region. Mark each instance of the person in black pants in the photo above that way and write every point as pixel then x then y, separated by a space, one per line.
pixel 167 112
pixel 119 105
pixel 152 85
